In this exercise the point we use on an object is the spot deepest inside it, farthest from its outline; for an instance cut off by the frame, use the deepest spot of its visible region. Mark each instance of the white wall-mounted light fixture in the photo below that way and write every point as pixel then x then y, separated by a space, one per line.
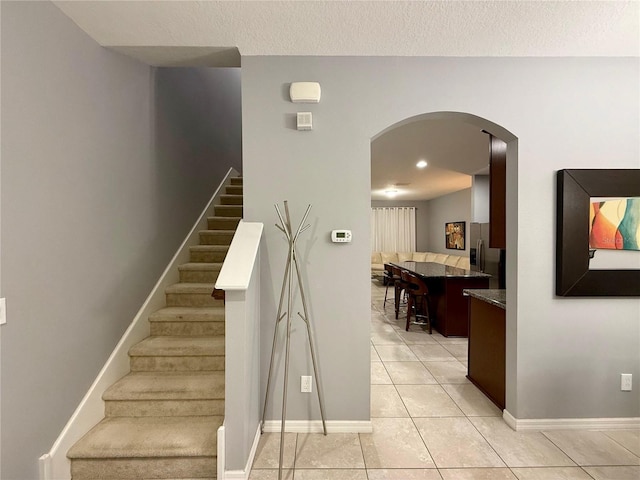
pixel 305 92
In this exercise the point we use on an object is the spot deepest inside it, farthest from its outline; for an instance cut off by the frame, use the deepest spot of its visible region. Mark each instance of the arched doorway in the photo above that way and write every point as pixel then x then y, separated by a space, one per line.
pixel 456 147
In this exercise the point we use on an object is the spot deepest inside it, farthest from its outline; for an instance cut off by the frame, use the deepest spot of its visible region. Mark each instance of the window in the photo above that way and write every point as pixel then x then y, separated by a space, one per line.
pixel 393 229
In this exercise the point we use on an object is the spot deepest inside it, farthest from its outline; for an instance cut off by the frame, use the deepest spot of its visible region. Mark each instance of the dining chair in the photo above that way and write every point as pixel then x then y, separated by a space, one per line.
pixel 418 300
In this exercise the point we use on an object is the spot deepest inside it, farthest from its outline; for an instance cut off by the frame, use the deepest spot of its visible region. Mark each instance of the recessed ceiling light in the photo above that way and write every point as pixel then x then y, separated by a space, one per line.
pixel 421 164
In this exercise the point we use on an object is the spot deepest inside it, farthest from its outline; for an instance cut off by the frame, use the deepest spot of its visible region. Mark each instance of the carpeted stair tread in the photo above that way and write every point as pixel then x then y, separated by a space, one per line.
pixel 185 288
pixel 216 237
pixel 201 266
pixel 210 248
pixel 188 314
pixel 231 199
pixel 223 223
pixel 208 253
pixel 217 231
pixel 225 219
pixel 165 346
pixel 236 180
pixel 167 386
pixel 228 210
pixel 149 437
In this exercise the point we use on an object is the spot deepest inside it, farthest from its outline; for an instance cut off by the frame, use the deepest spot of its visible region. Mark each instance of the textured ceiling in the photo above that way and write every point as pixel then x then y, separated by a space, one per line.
pixel 218 33
pixel 389 28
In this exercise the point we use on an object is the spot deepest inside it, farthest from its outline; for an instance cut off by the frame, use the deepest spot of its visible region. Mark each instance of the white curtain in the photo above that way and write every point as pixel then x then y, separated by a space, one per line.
pixel 393 229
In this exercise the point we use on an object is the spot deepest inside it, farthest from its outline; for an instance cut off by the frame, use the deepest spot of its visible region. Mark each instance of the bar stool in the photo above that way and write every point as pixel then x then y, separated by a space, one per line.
pixel 418 300
pixel 389 280
pixel 400 285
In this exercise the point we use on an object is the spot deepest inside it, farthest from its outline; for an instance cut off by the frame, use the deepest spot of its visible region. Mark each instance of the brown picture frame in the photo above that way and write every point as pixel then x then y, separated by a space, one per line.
pixel 575 188
pixel 454 235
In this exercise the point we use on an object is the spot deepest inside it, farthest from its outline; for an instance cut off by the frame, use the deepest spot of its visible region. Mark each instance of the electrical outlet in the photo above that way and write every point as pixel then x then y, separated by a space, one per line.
pixel 305 383
pixel 3 311
pixel 625 382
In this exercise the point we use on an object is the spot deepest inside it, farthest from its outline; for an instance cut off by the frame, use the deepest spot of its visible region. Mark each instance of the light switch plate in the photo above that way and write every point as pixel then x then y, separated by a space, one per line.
pixel 3 311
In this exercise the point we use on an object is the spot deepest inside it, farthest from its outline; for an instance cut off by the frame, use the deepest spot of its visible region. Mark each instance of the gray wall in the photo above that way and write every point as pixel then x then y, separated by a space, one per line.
pixel 198 119
pixel 565 355
pixel 91 212
pixel 455 207
pixel 422 219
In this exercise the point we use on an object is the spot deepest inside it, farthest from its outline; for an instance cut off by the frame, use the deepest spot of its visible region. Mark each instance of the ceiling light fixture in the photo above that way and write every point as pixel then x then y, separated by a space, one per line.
pixel 421 164
pixel 391 193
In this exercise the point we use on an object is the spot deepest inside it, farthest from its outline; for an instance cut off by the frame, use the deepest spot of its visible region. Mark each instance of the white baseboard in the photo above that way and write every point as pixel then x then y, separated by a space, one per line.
pixel 241 474
pixel 315 426
pixel 537 424
pixel 220 452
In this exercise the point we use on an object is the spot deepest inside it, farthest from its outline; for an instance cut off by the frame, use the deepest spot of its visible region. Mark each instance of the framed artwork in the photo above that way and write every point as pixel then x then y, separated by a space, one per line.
pixel 596 209
pixel 454 235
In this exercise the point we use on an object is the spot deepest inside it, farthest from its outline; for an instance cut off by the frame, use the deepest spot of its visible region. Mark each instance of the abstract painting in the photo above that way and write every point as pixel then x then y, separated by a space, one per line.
pixel 454 235
pixel 614 224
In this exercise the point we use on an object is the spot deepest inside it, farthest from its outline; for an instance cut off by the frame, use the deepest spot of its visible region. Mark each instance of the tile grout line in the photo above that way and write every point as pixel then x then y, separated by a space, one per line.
pixel 616 442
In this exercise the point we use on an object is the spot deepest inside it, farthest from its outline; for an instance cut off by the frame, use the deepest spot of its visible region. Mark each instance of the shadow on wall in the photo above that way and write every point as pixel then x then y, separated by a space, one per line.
pixel 198 135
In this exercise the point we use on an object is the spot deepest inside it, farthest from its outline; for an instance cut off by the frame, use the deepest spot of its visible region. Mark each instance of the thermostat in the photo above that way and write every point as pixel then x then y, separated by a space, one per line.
pixel 341 236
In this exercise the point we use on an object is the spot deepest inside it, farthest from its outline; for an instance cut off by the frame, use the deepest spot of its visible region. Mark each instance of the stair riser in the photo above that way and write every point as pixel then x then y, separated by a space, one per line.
pixel 217 316
pixel 233 189
pixel 187 329
pixel 137 468
pixel 231 199
pixel 207 257
pixel 228 211
pixel 163 408
pixel 216 238
pixel 199 276
pixel 229 223
pixel 236 180
pixel 192 300
pixel 177 364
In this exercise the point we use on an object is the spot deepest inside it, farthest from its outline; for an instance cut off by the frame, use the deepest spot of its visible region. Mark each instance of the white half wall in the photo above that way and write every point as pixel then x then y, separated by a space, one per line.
pixel 566 355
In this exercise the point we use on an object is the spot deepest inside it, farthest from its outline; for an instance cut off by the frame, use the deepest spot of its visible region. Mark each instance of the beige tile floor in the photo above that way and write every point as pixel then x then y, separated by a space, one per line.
pixel 430 423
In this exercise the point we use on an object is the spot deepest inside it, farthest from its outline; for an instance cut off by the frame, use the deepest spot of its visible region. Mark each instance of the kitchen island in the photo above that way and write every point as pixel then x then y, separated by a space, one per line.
pixel 487 342
pixel 448 307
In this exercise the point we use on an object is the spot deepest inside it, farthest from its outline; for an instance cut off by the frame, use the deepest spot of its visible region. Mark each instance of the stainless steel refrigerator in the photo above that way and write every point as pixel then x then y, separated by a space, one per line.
pixel 485 259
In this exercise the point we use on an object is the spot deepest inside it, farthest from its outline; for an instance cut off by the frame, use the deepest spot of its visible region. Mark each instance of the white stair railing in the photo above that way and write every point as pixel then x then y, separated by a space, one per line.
pixel 240 278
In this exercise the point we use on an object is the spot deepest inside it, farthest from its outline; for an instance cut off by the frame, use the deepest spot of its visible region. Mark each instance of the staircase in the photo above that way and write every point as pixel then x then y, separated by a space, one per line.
pixel 161 419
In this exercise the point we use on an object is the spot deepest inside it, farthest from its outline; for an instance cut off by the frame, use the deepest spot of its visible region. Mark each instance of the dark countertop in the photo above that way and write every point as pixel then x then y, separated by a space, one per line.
pixel 435 270
pixel 494 296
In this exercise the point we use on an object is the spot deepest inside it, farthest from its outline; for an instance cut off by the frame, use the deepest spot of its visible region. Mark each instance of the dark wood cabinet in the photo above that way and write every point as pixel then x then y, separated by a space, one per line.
pixel 497 192
pixel 449 306
pixel 487 349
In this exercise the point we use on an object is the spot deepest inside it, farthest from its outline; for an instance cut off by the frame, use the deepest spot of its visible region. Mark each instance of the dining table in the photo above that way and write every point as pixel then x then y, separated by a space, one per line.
pixel 448 307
